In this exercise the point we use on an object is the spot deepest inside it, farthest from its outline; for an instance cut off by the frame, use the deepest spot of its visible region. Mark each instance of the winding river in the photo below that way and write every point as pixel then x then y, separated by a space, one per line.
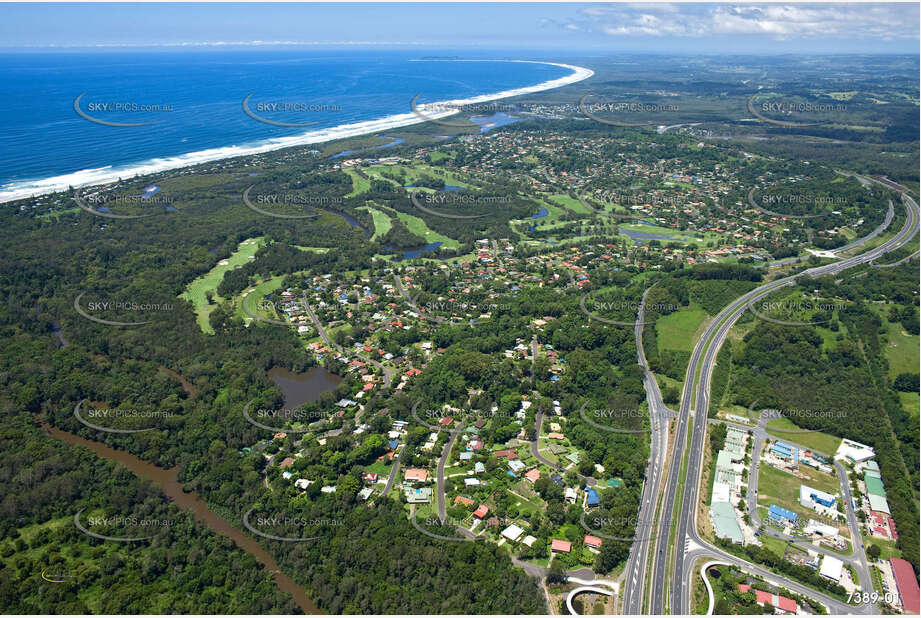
pixel 168 481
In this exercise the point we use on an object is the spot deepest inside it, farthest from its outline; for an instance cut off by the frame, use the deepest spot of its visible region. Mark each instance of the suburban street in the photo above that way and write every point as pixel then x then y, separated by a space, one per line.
pixel 440 477
pixel 535 450
pixel 387 372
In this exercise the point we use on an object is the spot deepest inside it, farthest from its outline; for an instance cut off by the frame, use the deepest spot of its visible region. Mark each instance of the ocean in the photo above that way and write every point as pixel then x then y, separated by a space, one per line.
pixel 188 107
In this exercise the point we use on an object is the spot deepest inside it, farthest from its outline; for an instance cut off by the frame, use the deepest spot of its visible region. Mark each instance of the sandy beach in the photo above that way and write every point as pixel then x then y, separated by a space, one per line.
pixel 434 110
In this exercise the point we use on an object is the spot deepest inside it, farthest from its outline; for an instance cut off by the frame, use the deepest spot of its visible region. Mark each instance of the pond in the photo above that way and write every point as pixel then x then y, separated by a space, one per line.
pixel 301 388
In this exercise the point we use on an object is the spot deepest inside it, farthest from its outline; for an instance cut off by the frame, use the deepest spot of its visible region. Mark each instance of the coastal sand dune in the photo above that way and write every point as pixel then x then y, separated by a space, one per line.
pixel 436 110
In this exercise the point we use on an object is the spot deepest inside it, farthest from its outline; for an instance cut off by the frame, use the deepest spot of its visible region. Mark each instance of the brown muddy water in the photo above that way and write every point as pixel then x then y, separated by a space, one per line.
pixel 301 388
pixel 168 481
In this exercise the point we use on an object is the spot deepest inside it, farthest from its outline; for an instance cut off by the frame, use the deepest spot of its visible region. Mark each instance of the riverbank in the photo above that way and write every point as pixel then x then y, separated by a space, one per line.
pixel 168 481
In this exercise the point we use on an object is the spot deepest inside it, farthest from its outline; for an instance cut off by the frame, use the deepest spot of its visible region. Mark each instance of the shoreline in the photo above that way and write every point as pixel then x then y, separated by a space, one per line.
pixel 104 175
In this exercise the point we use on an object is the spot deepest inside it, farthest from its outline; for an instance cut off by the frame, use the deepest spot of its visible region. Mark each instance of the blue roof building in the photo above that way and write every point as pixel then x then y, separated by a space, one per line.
pixel 592 498
pixel 785 451
pixel 778 513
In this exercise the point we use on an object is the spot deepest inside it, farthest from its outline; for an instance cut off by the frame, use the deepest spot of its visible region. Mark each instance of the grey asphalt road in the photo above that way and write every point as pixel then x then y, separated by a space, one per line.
pixel 387 372
pixel 394 470
pixel 707 348
pixel 442 463
pixel 535 451
pixel 634 575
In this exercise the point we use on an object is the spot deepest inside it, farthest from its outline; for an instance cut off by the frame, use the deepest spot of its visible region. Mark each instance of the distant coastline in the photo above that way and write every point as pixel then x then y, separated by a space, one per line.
pixel 104 175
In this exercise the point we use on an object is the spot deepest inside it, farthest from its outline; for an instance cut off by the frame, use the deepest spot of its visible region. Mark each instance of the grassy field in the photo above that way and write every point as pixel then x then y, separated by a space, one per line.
pixel 58 213
pixel 780 488
pixel 359 185
pixel 676 331
pixel 902 350
pixel 254 294
pixel 190 182
pixel 777 546
pixel 784 428
pixel 418 227
pixel 414 172
pixel 888 547
pixel 675 235
pixel 912 404
pixel 195 292
pixel 382 223
pixel 569 203
pixel 381 467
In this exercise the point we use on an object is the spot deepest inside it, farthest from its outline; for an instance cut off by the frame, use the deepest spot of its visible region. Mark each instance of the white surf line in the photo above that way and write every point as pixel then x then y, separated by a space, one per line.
pixel 90 177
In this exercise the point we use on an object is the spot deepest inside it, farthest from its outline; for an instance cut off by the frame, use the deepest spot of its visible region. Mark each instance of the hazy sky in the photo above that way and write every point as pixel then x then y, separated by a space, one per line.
pixel 556 27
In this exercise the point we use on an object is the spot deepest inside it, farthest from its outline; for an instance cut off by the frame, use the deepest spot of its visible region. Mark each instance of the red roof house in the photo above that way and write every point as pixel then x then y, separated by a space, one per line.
pixel 907 584
pixel 481 511
pixel 560 546
pixel 592 541
pixel 416 474
pixel 784 604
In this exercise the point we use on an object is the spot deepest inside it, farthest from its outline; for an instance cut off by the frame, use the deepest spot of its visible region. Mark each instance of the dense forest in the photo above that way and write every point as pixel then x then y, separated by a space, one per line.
pixel 184 568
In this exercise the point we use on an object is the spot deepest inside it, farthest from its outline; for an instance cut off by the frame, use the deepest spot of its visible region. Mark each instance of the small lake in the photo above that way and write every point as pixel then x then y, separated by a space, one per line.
pixel 350 220
pixel 301 388
pixel 498 119
pixel 168 481
pixel 410 254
